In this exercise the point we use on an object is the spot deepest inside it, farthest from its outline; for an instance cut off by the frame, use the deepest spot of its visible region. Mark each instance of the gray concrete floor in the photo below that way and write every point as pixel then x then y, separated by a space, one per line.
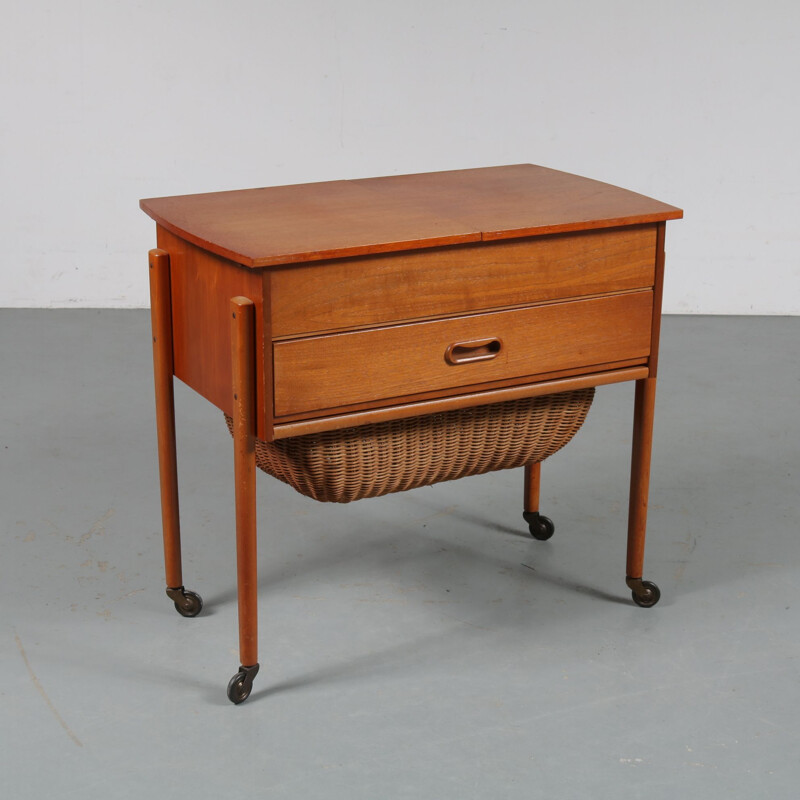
pixel 413 646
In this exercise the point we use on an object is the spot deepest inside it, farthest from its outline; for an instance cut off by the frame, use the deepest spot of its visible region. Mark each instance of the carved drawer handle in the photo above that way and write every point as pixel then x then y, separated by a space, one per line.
pixel 477 350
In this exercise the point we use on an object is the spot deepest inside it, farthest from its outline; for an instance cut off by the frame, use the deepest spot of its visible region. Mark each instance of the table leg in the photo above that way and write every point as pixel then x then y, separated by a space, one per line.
pixel 540 526
pixel 244 432
pixel 187 603
pixel 645 593
pixel 533 477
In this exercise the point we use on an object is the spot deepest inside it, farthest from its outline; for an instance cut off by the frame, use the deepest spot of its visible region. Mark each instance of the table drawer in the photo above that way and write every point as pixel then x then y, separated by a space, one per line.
pixel 374 290
pixel 326 372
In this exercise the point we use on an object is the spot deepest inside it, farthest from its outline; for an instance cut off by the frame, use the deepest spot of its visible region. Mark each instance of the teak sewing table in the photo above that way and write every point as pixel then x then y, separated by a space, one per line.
pixel 309 309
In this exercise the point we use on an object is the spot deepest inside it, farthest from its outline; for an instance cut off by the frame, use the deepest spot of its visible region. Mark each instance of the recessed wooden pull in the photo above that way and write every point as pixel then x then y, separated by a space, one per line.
pixel 476 350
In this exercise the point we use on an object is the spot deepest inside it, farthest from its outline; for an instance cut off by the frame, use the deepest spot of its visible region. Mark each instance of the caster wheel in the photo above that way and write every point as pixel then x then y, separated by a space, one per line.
pixel 241 684
pixel 187 604
pixel 648 596
pixel 540 527
pixel 239 688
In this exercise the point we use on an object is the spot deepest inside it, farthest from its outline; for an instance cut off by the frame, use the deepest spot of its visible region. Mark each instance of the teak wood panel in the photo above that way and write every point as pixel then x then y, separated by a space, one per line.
pixel 455 280
pixel 658 295
pixel 312 222
pixel 323 372
pixel 202 287
pixel 446 401
pixel 521 200
pixel 457 394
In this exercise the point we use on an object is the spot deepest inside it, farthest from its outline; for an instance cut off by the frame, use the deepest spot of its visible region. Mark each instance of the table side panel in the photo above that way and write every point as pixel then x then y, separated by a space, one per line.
pixel 202 286
pixel 325 372
pixel 375 290
pixel 658 294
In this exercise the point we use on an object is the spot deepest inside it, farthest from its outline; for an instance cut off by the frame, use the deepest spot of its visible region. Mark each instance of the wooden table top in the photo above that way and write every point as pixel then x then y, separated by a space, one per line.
pixel 315 221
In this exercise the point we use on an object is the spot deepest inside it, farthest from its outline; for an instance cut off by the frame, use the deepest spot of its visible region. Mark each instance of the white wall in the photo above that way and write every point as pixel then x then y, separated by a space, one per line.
pixel 104 102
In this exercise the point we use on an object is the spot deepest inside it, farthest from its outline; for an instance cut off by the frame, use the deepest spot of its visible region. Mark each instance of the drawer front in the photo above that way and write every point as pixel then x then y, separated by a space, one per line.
pixel 374 290
pixel 326 372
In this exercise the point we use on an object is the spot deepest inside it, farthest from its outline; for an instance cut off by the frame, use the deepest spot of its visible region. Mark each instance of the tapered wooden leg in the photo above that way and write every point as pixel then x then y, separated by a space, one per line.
pixel 187 603
pixel 540 527
pixel 244 459
pixel 645 593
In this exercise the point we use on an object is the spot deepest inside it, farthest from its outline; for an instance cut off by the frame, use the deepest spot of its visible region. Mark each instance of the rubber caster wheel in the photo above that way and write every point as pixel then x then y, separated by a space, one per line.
pixel 241 684
pixel 187 604
pixel 540 526
pixel 646 595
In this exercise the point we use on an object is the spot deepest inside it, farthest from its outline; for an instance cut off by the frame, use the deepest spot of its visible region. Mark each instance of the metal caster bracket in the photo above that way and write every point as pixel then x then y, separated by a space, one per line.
pixel 187 604
pixel 241 684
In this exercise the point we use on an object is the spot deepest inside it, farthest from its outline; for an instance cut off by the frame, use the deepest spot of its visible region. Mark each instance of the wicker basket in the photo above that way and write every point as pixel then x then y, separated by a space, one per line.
pixel 370 460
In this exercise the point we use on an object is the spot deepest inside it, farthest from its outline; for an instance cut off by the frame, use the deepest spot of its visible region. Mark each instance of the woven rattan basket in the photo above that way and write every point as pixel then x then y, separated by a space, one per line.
pixel 370 460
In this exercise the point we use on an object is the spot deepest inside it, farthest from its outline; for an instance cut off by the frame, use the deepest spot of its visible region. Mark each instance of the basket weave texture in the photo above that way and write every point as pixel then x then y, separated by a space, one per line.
pixel 370 460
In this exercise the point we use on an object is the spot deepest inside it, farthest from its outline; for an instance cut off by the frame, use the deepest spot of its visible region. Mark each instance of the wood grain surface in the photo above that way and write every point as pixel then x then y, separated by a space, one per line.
pixel 321 372
pixel 241 323
pixel 310 222
pixel 349 293
pixel 202 287
pixel 161 321
pixel 446 401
